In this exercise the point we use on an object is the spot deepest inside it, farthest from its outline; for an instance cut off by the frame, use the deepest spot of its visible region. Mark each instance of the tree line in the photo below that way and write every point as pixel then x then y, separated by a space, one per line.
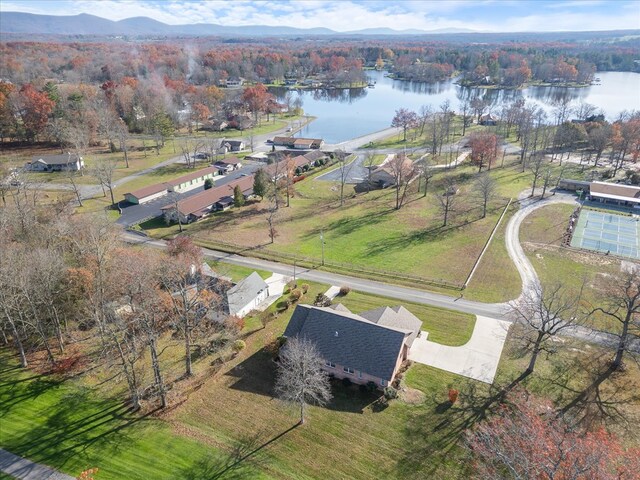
pixel 69 282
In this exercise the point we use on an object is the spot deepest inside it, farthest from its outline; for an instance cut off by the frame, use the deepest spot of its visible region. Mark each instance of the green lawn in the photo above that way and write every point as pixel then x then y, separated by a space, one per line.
pixel 70 427
pixel 541 235
pixel 236 272
pixel 444 326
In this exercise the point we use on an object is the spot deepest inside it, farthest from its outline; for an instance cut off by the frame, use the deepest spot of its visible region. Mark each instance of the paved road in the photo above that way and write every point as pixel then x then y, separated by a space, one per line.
pixel 360 284
pixel 134 214
pixel 512 235
pixel 22 468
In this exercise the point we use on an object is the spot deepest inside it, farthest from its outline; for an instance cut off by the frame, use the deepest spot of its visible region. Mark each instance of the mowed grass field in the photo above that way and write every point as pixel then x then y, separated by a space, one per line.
pixel 368 233
pixel 230 426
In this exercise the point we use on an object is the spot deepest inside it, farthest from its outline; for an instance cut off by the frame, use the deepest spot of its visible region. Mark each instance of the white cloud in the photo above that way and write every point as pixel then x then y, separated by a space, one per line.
pixel 348 14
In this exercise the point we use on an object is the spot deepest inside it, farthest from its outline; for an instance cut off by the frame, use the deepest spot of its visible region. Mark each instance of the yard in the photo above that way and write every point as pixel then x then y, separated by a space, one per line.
pixel 367 236
pixel 228 425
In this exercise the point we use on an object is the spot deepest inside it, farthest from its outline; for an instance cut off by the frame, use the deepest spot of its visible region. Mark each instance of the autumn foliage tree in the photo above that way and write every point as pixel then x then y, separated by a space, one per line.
pixel 524 439
pixel 256 99
pixel 405 119
pixel 35 109
pixel 484 149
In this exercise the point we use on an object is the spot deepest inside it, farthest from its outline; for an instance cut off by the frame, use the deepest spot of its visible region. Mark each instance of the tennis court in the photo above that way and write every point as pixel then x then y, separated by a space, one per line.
pixel 607 232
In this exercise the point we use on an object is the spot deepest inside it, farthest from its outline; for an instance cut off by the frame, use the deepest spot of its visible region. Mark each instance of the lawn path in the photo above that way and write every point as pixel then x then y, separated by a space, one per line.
pixel 27 470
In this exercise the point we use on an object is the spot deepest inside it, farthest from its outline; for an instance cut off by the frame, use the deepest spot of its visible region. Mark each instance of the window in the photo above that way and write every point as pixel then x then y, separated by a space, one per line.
pixel 330 364
pixel 348 370
pixel 383 382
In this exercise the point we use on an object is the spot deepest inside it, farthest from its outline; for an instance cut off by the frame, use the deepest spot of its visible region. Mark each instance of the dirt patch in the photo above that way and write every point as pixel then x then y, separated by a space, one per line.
pixel 412 396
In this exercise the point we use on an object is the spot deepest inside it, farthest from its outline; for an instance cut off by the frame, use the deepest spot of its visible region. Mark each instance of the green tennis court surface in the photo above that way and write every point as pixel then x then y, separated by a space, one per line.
pixel 607 232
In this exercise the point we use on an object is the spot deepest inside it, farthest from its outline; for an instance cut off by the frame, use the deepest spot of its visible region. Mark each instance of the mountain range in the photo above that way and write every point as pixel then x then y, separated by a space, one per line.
pixel 85 24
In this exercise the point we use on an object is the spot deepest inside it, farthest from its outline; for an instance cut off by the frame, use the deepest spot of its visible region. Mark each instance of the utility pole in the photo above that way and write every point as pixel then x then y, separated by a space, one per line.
pixel 294 272
pixel 322 240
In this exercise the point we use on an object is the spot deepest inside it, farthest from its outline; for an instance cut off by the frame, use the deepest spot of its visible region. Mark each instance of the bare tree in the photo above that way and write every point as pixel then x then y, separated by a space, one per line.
pixel 536 164
pixel 623 307
pixel 425 171
pixel 104 171
pixel 540 314
pixel 484 188
pixel 403 172
pixel 122 132
pixel 446 201
pixel 271 218
pixel 369 163
pixel 301 379
pixel 344 168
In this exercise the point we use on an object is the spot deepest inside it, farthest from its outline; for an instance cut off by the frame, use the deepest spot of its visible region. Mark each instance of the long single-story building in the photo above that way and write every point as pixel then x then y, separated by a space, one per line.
pixel 202 204
pixel 181 184
pixel 298 143
pixel 364 348
pixel 56 163
pixel 615 194
pixel 146 194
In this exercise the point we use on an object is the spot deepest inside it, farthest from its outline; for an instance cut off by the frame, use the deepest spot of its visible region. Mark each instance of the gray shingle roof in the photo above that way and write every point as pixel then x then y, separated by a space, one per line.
pixel 348 339
pixel 63 159
pixel 244 291
pixel 395 317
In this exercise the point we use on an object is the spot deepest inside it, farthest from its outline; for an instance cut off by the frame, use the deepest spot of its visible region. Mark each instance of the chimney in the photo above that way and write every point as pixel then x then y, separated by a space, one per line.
pixel 335 334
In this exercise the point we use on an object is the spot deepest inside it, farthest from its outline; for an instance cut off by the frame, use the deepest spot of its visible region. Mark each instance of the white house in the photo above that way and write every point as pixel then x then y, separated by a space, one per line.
pixel 247 294
pixel 56 163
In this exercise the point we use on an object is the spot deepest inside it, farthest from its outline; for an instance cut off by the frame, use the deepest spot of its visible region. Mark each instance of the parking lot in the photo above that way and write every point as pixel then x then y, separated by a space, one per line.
pixel 134 214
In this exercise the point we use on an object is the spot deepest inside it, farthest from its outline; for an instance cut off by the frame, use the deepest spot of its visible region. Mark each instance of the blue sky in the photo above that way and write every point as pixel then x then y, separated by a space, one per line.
pixel 481 15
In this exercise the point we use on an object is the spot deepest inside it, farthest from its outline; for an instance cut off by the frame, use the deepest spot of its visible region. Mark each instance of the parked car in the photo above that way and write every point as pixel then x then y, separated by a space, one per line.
pixel 202 156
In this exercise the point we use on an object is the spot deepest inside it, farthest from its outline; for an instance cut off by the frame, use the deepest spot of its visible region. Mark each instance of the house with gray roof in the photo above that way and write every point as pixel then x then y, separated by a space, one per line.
pixel 247 294
pixel 56 163
pixel 354 346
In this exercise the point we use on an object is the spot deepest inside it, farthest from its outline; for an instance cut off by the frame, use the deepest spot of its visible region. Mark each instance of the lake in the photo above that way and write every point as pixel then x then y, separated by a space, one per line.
pixel 343 114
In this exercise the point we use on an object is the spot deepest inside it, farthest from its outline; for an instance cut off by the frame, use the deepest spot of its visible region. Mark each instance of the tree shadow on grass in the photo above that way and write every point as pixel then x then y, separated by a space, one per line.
pixel 257 374
pixel 243 461
pixel 432 436
pixel 67 432
pixel 16 391
pixel 349 224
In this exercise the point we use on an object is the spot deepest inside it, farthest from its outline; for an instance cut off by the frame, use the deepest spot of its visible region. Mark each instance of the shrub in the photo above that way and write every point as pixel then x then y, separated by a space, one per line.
pixel 238 346
pixel 304 287
pixel 371 386
pixel 234 324
pixel 390 393
pixel 453 395
pixel 346 382
pixel 344 290
pixel 295 295
pixel 322 300
pixel 208 183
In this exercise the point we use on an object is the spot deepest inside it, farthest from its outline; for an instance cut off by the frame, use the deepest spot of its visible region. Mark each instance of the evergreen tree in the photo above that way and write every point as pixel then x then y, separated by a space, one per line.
pixel 260 183
pixel 238 198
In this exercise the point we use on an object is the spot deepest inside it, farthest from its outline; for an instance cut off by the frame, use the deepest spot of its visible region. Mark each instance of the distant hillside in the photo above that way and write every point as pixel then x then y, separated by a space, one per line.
pixel 85 24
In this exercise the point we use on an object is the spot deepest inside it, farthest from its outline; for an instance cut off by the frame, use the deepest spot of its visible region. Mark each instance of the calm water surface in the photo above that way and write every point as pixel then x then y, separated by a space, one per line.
pixel 348 113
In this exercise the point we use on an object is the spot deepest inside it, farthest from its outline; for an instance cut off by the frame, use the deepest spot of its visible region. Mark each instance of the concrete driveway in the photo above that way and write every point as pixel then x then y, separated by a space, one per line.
pixel 477 359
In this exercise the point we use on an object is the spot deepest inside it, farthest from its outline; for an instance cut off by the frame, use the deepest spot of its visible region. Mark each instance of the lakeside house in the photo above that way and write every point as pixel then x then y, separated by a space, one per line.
pixel 202 204
pixel 369 347
pixel 384 175
pixel 56 163
pixel 298 143
pixel 181 184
